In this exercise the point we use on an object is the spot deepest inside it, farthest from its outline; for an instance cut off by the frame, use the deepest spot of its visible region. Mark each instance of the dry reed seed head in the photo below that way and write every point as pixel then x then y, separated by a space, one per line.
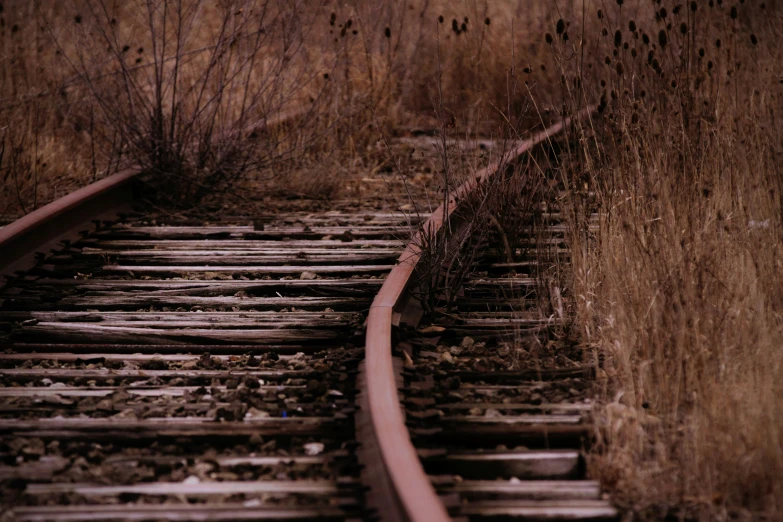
pixel 718 43
pixel 77 19
pixel 600 14
pixel 548 38
pixel 633 52
pixel 464 27
pixel 753 39
pixel 694 5
pixel 604 32
pixel 663 39
pixel 733 12
pixel 125 48
pixel 618 38
pixel 332 19
pixel 684 28
pixel 645 39
pixel 560 26
pixel 387 32
pixel 440 19
pixel 701 52
pixel 487 21
pixel 661 14
pixel 632 25
pixel 618 67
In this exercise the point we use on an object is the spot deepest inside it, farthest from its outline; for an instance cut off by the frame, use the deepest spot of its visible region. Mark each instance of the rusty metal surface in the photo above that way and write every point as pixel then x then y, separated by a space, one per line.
pixel 39 230
pixel 413 498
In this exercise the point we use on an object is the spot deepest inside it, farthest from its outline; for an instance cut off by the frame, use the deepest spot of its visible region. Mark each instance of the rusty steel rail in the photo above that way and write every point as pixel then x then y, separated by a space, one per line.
pixel 406 492
pixel 41 229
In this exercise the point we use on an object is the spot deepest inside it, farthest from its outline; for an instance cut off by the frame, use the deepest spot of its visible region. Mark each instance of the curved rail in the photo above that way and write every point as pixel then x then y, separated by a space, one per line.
pixel 410 495
pixel 41 228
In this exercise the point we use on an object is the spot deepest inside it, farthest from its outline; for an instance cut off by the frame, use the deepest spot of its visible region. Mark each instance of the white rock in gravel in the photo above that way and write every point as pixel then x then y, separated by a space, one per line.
pixel 252 503
pixel 307 276
pixel 255 413
pixel 492 413
pixel 314 448
pixel 335 393
pixel 192 480
pixel 446 356
pixel 46 382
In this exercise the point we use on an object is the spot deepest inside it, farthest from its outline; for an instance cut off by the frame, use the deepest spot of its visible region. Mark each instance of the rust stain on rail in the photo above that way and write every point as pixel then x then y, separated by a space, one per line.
pixel 415 494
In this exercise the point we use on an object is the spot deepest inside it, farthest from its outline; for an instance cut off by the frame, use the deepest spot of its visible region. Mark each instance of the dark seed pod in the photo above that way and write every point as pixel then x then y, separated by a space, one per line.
pixel 632 26
pixel 663 39
pixel 618 38
pixel 560 26
pixel 684 28
pixel 548 38
pixel 387 32
pixel 733 12
pixel 753 39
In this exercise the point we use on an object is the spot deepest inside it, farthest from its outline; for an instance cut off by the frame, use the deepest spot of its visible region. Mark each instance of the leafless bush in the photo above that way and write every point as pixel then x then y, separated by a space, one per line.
pixel 179 86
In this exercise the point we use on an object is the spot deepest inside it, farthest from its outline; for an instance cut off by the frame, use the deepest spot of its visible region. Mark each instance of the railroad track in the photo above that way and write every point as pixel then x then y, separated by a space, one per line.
pixel 169 368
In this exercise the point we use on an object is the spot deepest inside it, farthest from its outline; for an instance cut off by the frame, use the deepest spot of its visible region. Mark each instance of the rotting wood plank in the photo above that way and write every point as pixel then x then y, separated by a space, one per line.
pixel 524 464
pixel 214 349
pixel 29 374
pixel 98 357
pixel 225 244
pixel 526 490
pixel 124 429
pixel 255 269
pixel 307 487
pixel 541 510
pixel 269 319
pixel 100 333
pixel 135 302
pixel 222 512
pixel 178 258
pixel 141 391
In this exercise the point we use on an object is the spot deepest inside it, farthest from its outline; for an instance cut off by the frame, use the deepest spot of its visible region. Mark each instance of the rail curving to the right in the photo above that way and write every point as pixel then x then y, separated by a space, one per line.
pixel 403 492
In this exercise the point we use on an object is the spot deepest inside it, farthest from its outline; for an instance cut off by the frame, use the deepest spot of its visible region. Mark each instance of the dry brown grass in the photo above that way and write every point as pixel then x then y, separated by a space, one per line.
pixel 679 292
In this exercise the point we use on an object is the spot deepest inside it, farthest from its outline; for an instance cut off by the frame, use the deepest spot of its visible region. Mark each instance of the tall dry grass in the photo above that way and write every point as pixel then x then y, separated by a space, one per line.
pixel 681 292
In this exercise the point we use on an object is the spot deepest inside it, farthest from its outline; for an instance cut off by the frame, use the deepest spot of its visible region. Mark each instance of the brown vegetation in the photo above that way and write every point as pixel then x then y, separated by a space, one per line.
pixel 678 292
